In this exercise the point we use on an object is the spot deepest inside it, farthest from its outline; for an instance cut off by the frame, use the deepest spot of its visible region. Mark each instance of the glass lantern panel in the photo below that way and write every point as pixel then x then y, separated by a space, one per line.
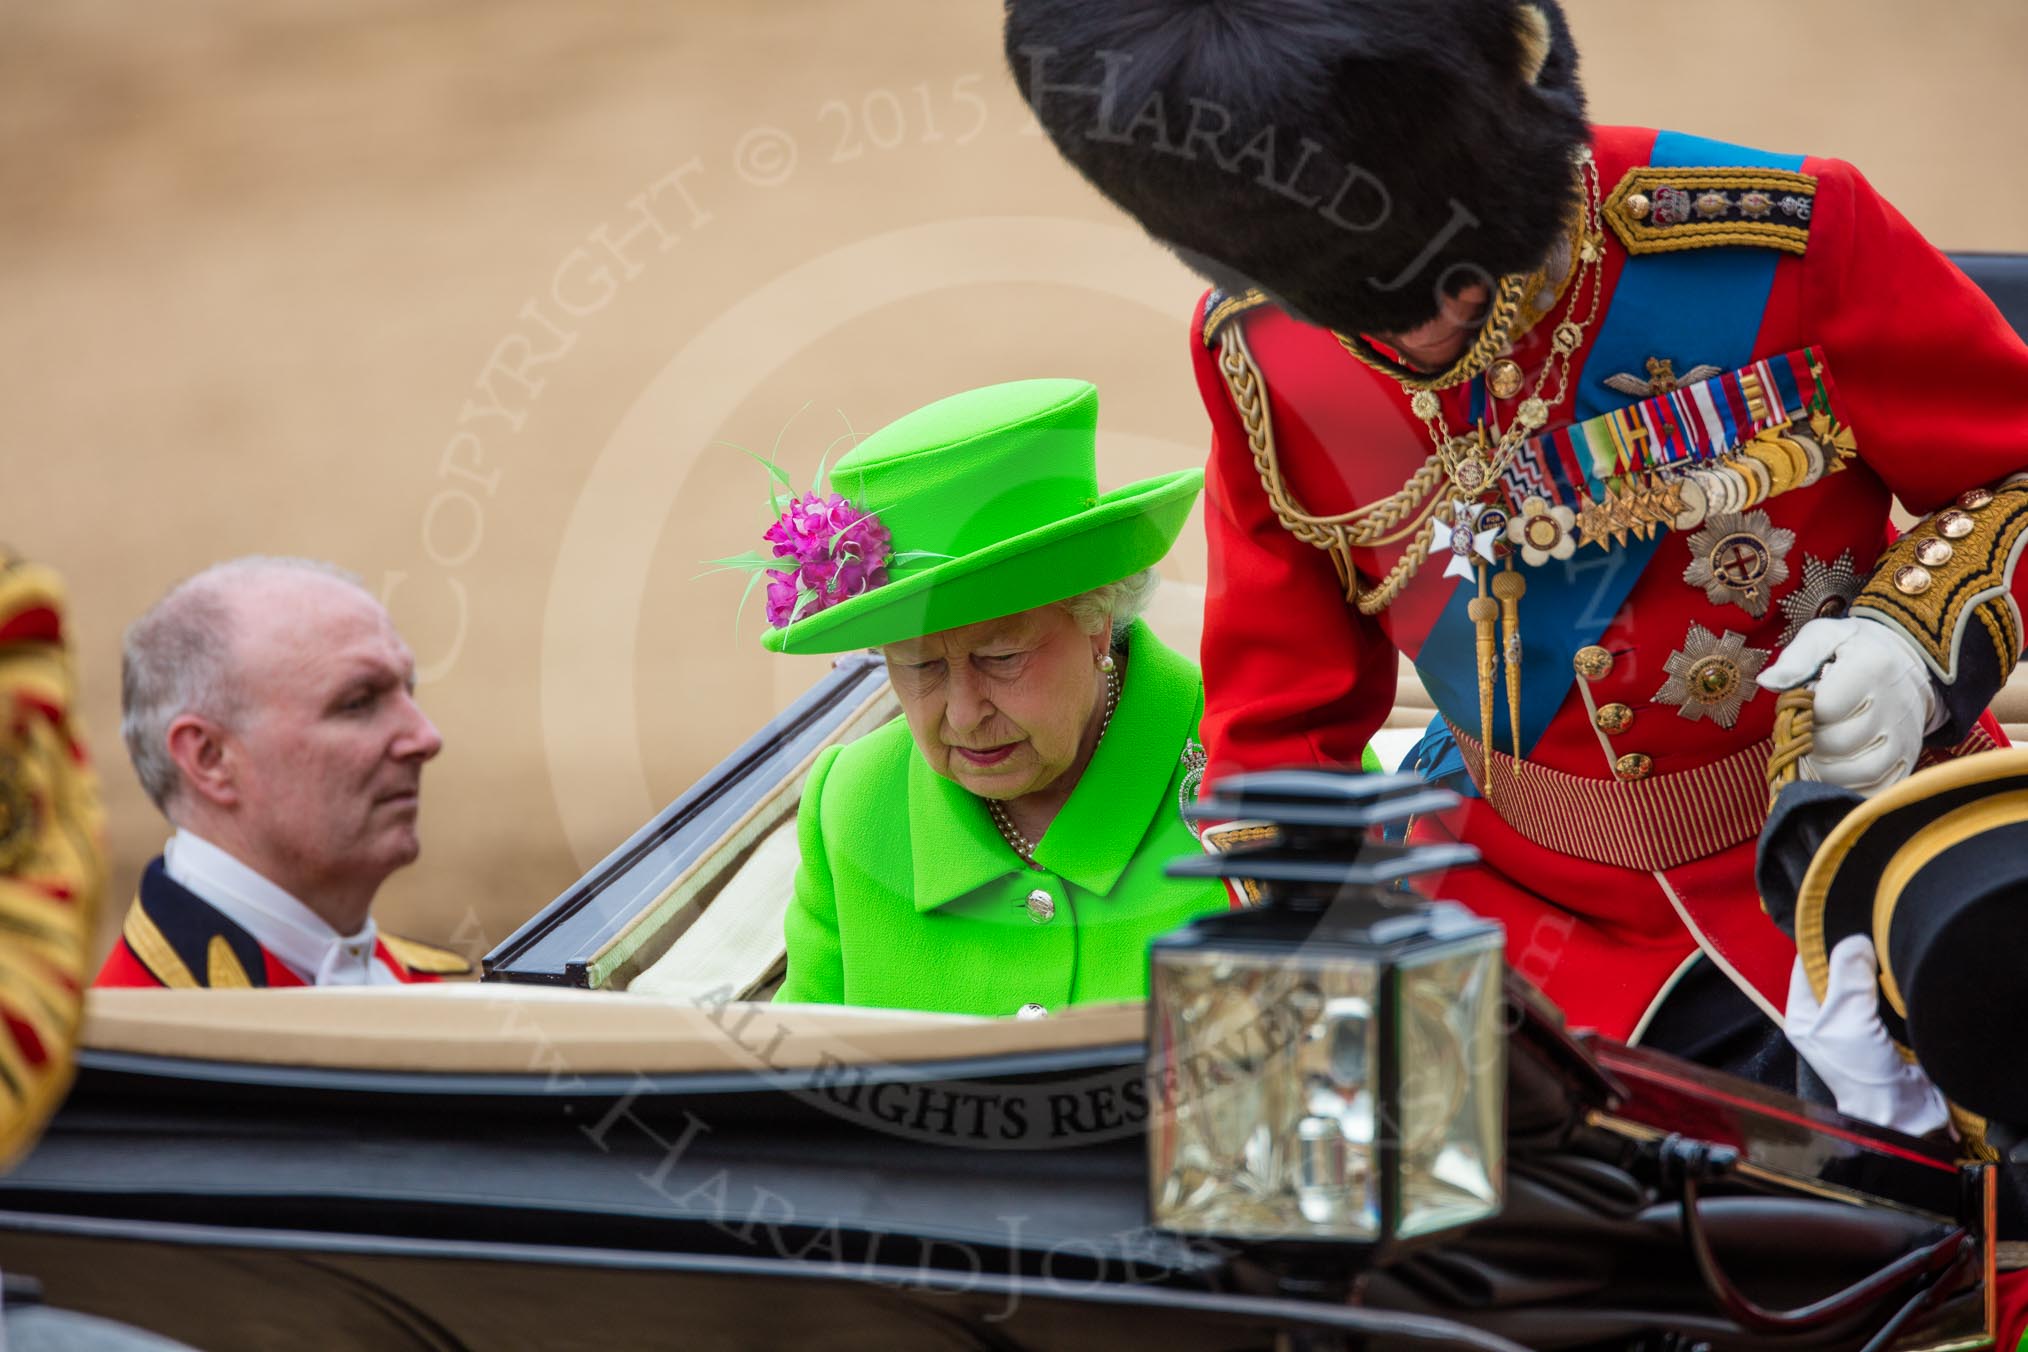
pixel 1453 1089
pixel 1264 1120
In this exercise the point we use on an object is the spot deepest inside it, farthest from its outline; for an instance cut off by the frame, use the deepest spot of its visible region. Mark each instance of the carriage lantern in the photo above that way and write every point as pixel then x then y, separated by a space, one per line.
pixel 1330 1063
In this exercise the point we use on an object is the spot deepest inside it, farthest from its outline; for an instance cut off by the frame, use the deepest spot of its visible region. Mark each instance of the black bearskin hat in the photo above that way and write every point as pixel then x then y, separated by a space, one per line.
pixel 1355 159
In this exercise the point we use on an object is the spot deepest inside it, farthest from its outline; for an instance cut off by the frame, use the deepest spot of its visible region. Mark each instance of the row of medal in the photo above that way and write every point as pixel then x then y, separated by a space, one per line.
pixel 1679 498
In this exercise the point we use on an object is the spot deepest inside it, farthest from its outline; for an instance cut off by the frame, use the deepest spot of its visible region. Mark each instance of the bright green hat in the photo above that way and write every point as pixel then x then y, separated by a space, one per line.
pixel 991 502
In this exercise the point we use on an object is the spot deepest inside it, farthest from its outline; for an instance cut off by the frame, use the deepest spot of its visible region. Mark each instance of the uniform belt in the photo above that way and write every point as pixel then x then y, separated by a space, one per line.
pixel 1652 824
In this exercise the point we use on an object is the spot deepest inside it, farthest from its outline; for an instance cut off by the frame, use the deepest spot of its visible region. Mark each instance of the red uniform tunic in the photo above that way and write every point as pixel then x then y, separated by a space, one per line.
pixel 1920 367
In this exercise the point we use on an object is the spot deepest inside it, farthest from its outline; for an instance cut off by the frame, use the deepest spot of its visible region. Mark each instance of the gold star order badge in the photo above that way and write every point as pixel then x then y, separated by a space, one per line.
pixel 1826 592
pixel 1739 558
pixel 1712 676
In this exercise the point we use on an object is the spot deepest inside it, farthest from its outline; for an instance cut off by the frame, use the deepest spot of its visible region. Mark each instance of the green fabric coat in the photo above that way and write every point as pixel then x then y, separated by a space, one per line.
pixel 908 897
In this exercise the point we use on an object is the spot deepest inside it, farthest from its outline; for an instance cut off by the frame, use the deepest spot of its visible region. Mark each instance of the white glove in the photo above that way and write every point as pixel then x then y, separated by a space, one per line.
pixel 1847 1045
pixel 1875 702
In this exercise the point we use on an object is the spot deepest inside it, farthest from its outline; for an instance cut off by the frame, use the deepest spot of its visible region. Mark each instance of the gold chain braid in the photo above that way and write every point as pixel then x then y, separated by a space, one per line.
pixel 1381 597
pixel 1794 738
pixel 1493 338
pixel 1408 512
pixel 1374 524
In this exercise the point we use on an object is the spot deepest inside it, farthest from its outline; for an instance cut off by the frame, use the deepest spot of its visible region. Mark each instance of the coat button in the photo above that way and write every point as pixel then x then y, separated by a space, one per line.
pixel 1634 767
pixel 1933 553
pixel 1974 499
pixel 1913 580
pixel 1639 206
pixel 1954 525
pixel 1041 907
pixel 1615 718
pixel 1505 379
pixel 1031 1012
pixel 1594 663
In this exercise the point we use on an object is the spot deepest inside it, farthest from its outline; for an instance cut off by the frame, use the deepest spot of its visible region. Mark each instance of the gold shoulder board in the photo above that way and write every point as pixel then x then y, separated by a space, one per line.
pixel 1662 210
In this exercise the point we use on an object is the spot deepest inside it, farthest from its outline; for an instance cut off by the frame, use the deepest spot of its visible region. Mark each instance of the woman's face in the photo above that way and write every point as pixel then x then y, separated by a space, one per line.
pixel 1001 707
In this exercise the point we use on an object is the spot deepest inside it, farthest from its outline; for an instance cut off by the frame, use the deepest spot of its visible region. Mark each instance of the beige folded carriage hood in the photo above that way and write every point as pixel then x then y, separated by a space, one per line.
pixel 502 1029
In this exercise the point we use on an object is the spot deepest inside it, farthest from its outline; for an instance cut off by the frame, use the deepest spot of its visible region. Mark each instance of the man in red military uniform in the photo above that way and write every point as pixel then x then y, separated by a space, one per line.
pixel 269 710
pixel 1598 426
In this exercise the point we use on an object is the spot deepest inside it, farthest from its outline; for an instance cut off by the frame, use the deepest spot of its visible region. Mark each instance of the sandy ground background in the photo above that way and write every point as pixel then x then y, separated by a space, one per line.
pixel 458 294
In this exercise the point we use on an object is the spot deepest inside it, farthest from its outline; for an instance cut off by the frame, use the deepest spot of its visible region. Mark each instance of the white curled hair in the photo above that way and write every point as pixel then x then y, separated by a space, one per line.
pixel 177 659
pixel 1121 602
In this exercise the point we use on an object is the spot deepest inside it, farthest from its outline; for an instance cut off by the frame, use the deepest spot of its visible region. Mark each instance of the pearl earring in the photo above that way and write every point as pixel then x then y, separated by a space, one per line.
pixel 1106 664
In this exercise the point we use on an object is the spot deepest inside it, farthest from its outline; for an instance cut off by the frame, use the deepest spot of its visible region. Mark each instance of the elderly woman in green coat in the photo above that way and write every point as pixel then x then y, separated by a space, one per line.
pixel 1000 848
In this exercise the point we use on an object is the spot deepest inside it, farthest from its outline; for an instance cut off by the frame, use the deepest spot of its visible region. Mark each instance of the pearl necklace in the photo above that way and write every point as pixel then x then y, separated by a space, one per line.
pixel 1019 843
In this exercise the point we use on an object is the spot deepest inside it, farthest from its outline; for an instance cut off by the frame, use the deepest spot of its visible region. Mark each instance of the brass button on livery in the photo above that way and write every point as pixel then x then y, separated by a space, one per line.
pixel 1639 207
pixel 1974 499
pixel 1634 767
pixel 1933 553
pixel 1954 525
pixel 1041 907
pixel 1912 580
pixel 1594 663
pixel 1505 379
pixel 1615 718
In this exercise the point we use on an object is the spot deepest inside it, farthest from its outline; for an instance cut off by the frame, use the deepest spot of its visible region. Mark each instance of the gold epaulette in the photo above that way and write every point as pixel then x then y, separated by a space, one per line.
pixel 1955 567
pixel 1221 309
pixel 427 958
pixel 1663 210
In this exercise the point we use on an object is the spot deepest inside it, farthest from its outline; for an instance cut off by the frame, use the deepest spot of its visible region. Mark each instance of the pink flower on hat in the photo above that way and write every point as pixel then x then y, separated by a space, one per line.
pixel 833 552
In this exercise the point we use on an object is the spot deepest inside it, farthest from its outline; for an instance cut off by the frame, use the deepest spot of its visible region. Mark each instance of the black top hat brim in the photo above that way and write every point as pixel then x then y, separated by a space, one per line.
pixel 1952 926
pixel 1935 871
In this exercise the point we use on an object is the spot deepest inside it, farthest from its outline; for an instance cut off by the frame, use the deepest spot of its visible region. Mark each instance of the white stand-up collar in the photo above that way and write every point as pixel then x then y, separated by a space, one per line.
pixel 278 922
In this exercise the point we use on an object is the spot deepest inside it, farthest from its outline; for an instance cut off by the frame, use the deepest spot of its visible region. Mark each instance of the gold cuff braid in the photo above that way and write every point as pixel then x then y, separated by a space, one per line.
pixel 1795 736
pixel 1955 569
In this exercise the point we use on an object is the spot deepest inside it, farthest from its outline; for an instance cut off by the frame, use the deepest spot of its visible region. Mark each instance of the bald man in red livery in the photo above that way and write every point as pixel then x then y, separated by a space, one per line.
pixel 269 709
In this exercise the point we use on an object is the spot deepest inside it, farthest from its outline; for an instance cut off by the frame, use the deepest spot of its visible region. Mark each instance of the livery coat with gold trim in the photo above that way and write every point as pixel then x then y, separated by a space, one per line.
pixel 173 937
pixel 51 860
pixel 1929 388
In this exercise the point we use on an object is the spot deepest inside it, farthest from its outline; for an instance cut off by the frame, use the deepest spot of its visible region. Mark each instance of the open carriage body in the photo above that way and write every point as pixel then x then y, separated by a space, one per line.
pixel 613 1141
